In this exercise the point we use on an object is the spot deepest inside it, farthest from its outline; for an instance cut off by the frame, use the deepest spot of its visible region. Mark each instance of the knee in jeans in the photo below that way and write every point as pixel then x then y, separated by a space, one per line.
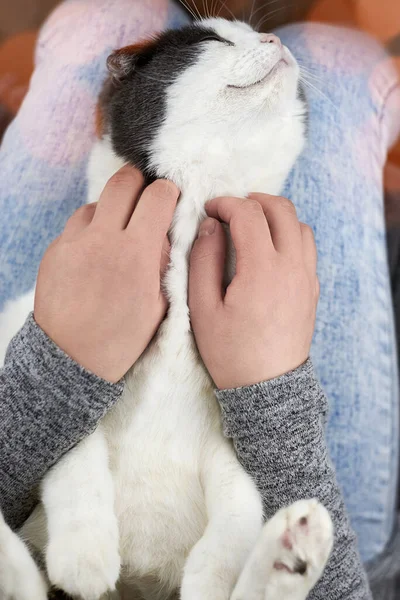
pixel 353 59
pixel 338 48
pixel 77 32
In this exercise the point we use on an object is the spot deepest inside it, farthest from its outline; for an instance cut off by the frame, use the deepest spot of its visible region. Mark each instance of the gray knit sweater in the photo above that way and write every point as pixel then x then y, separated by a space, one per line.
pixel 48 403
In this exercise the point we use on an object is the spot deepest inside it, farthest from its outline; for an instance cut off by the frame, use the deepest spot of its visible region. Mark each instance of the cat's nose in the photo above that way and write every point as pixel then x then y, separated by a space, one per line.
pixel 270 38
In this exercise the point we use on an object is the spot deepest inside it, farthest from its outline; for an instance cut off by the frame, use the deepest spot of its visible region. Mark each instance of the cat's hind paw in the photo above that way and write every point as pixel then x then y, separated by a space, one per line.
pixel 290 555
pixel 305 544
pixel 20 578
pixel 84 564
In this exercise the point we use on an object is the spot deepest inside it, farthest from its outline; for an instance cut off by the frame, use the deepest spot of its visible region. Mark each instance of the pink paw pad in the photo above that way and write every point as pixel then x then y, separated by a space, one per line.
pixel 288 540
pixel 302 527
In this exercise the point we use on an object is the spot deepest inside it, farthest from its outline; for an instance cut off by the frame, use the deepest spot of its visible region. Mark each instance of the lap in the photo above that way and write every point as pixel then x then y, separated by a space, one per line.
pixel 44 153
pixel 336 187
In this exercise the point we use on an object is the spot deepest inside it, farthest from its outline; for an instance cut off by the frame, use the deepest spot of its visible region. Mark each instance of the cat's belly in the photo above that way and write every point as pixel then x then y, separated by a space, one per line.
pixel 160 520
pixel 157 435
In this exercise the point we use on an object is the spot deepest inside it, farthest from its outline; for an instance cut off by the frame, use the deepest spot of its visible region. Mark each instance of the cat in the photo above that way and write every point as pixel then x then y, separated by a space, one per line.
pixel 155 500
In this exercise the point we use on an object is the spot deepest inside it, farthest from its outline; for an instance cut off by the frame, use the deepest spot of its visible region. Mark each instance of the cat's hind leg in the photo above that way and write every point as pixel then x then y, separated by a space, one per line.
pixel 20 578
pixel 82 555
pixel 290 555
pixel 234 512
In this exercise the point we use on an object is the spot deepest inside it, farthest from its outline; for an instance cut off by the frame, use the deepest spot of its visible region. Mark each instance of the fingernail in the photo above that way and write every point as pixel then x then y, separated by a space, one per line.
pixel 166 189
pixel 207 227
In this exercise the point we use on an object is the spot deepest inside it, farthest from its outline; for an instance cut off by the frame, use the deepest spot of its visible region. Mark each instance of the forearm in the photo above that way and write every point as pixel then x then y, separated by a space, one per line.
pixel 48 403
pixel 278 429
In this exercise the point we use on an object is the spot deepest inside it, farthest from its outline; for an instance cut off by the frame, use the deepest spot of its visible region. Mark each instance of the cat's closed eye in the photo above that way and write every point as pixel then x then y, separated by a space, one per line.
pixel 210 37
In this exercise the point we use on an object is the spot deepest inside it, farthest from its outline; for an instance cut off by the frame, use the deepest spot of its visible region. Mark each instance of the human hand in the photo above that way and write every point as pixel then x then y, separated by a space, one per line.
pixel 98 294
pixel 263 326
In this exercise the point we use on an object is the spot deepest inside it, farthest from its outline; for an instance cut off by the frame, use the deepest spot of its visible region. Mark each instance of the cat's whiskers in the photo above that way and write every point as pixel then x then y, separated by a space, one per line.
pixel 195 7
pixel 215 7
pixel 262 7
pixel 267 17
pixel 206 9
pixel 312 77
pixel 190 10
pixel 212 9
pixel 223 6
pixel 252 10
pixel 312 87
pixel 307 69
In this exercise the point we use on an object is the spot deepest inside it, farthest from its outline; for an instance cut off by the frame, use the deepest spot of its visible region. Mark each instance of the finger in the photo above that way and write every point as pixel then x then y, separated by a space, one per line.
pixel 206 273
pixel 153 215
pixel 79 220
pixel 165 257
pixel 119 198
pixel 166 248
pixel 283 222
pixel 309 249
pixel 248 228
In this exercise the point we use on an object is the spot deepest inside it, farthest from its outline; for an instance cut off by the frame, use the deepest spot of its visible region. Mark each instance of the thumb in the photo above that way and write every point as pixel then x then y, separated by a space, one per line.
pixel 207 266
pixel 79 220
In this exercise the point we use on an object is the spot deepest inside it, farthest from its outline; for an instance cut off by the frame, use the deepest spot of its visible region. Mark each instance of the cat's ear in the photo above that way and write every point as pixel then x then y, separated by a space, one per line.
pixel 122 63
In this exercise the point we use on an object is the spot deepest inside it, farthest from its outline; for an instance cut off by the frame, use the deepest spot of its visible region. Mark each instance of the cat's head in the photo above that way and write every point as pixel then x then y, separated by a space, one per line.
pixel 212 76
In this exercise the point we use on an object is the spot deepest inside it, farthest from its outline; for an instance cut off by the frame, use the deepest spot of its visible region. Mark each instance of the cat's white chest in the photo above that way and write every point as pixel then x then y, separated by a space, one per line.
pixel 159 497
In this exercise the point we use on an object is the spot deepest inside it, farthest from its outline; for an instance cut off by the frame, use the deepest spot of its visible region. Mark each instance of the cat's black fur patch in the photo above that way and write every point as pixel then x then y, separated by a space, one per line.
pixel 136 106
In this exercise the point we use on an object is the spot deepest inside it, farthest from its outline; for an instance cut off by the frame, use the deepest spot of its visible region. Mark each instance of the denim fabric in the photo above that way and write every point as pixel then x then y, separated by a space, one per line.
pixel 336 186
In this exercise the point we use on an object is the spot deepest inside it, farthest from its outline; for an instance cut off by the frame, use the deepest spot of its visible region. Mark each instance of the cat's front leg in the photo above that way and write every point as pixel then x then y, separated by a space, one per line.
pixel 82 555
pixel 234 513
pixel 290 555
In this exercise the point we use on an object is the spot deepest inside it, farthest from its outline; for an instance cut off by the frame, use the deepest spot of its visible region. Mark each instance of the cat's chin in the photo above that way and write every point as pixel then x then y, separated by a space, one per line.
pixel 276 69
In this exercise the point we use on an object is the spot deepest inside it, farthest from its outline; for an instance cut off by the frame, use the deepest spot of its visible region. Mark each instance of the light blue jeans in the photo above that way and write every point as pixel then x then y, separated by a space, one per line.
pixel 336 186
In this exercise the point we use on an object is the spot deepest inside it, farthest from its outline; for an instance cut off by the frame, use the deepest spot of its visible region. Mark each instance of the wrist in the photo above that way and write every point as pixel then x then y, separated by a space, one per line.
pixel 257 376
pixel 280 389
pixel 53 367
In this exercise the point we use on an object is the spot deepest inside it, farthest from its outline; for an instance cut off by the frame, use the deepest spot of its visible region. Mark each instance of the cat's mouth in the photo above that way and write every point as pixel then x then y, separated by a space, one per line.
pixel 274 69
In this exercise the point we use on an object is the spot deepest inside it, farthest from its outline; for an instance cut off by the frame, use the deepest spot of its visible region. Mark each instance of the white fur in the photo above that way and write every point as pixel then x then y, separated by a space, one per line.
pixel 157 488
pixel 19 576
pixel 311 543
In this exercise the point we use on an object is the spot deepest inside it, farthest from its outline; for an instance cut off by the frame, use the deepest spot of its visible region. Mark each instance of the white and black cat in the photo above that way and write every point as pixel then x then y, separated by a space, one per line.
pixel 155 500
